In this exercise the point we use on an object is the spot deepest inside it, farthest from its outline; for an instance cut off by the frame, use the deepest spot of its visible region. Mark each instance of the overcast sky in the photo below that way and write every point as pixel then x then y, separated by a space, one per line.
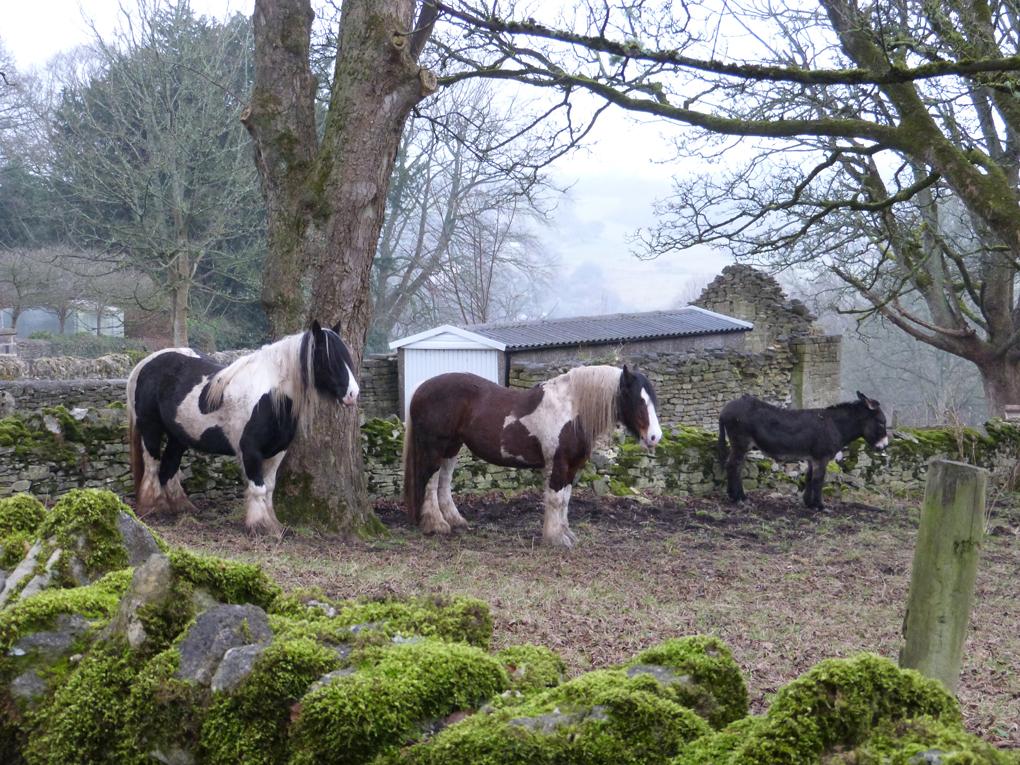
pixel 614 185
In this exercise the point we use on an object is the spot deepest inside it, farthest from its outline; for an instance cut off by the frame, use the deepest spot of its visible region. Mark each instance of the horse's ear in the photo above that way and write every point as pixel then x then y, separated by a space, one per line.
pixel 336 327
pixel 627 376
pixel 316 327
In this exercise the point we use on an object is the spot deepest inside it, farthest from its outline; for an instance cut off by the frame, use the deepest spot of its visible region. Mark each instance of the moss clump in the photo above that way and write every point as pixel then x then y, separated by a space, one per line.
pixel 98 601
pixel 69 427
pixel 84 722
pixel 383 440
pixel 250 726
pixel 904 742
pixel 20 513
pixel 162 712
pixel 838 704
pixel 716 690
pixel 601 718
pixel 227 581
pixel 396 690
pixel 84 525
pixel 532 668
pixel 458 619
pixel 20 516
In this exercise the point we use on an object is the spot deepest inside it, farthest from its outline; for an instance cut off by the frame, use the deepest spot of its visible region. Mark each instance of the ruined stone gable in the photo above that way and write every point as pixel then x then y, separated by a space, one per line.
pixel 744 292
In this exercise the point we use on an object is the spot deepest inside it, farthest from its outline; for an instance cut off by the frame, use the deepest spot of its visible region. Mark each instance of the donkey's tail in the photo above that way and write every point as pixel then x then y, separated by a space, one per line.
pixel 724 450
pixel 414 486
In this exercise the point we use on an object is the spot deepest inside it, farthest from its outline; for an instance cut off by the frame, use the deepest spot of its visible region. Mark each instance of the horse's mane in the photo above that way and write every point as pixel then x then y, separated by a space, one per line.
pixel 594 392
pixel 271 368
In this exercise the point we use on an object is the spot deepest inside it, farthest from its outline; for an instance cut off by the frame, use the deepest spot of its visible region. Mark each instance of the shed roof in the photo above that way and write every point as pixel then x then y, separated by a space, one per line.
pixel 620 327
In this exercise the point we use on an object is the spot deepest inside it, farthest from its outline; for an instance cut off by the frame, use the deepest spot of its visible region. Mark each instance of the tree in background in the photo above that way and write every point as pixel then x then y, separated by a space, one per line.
pixel 467 186
pixel 918 385
pixel 859 125
pixel 152 163
pixel 22 282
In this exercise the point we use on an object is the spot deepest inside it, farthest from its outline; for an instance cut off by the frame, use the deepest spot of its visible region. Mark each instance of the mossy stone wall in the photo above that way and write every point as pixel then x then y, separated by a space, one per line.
pixel 51 452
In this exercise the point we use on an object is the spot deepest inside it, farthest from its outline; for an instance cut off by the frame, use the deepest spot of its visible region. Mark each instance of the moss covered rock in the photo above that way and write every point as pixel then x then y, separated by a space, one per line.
pixel 702 675
pixel 601 717
pixel 836 706
pixel 394 694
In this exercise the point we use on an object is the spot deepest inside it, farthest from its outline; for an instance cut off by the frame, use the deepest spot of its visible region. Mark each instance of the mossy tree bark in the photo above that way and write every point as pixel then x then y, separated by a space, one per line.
pixel 325 203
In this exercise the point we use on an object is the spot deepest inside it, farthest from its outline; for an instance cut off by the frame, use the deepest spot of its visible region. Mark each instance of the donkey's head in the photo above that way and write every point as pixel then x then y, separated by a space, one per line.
pixel 636 406
pixel 874 422
pixel 332 365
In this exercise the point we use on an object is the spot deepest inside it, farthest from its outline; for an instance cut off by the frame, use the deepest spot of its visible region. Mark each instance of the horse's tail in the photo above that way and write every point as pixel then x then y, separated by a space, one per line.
pixel 724 451
pixel 414 487
pixel 134 447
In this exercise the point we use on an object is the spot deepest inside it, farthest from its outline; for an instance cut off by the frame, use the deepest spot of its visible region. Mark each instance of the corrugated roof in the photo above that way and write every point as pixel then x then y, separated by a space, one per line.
pixel 620 327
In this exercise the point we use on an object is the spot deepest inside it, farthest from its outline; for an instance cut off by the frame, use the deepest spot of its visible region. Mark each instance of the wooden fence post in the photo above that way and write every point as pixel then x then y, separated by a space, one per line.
pixel 945 567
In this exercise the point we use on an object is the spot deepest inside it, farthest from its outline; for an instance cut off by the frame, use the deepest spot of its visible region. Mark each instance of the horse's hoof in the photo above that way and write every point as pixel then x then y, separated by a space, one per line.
pixel 435 528
pixel 560 540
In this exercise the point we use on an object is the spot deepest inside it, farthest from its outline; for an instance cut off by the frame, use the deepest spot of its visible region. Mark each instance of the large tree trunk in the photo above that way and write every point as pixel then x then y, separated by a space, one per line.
pixel 325 209
pixel 1001 378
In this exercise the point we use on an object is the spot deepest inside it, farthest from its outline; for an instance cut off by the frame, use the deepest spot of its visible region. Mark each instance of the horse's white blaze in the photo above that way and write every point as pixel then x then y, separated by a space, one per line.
pixel 838 457
pixel 654 434
pixel 883 443
pixel 353 389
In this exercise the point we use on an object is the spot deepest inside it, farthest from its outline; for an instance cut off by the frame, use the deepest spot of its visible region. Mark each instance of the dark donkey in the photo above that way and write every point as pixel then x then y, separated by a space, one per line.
pixel 817 435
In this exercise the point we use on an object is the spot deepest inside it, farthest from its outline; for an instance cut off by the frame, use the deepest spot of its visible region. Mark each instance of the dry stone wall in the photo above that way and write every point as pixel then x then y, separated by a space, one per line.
pixel 49 453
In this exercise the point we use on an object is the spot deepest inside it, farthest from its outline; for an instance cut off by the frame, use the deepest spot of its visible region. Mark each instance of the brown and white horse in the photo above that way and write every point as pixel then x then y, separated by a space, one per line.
pixel 552 427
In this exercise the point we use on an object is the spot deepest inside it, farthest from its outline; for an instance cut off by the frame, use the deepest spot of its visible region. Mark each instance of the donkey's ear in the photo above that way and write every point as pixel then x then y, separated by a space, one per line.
pixel 870 403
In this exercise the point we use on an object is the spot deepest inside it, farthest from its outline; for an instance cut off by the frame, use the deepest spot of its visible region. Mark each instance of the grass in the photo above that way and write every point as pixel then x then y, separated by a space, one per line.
pixel 782 586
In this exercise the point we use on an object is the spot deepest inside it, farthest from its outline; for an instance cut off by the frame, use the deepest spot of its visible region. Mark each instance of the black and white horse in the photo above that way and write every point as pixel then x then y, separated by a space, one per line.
pixel 250 409
pixel 552 427
pixel 817 435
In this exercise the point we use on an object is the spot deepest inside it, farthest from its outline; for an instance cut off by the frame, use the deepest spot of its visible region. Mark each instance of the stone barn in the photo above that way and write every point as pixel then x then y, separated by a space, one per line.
pixel 489 350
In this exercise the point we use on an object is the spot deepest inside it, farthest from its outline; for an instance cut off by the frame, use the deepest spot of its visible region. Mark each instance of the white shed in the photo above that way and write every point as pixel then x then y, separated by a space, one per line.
pixel 444 349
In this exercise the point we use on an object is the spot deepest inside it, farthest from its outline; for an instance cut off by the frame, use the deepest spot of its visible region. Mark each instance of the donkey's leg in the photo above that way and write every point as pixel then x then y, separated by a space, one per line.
pixel 151 498
pixel 739 447
pixel 815 481
pixel 170 477
pixel 445 495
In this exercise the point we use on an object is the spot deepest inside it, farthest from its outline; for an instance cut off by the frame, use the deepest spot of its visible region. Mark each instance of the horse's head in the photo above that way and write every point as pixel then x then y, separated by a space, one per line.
pixel 874 422
pixel 333 366
pixel 637 407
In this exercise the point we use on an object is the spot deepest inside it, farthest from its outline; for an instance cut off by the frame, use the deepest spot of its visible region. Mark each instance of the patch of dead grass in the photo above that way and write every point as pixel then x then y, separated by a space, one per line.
pixel 782 586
